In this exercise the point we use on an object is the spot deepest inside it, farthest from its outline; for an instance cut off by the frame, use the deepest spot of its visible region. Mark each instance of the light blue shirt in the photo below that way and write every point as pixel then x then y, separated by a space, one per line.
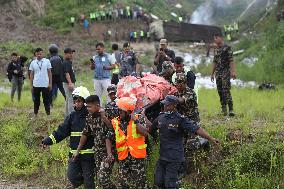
pixel 100 62
pixel 40 70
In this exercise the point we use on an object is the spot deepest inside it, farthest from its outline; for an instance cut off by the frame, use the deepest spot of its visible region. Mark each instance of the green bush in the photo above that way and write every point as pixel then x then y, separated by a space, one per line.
pixel 253 166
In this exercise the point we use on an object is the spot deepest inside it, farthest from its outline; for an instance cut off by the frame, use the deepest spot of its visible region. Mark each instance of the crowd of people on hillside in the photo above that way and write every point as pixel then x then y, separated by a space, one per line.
pixel 112 14
pixel 113 130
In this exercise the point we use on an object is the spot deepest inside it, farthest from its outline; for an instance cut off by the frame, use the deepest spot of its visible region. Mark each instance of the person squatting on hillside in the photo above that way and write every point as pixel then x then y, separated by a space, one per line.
pixel 172 127
pixel 40 80
pixel 15 73
pixel 98 126
pixel 69 80
pixel 81 170
pixel 102 64
pixel 57 72
pixel 223 70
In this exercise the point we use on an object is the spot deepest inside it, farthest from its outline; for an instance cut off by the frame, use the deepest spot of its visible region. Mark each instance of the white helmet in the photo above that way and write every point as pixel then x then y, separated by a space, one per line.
pixel 81 92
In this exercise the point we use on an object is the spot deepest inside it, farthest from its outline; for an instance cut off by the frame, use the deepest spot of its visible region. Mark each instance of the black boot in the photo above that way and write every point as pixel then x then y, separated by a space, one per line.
pixel 224 110
pixel 231 110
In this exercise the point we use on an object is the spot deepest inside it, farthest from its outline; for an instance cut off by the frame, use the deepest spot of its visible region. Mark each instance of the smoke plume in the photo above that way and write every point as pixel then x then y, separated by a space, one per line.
pixel 204 13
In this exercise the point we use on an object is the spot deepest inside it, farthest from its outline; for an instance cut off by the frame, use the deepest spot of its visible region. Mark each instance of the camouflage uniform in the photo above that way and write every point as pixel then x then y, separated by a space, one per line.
pixel 222 59
pixel 132 172
pixel 189 109
pixel 167 71
pixel 128 63
pixel 103 169
pixel 111 110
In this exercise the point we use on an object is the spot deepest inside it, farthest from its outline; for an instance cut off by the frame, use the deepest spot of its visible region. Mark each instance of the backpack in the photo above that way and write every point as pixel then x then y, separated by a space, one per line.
pixel 56 64
pixel 190 79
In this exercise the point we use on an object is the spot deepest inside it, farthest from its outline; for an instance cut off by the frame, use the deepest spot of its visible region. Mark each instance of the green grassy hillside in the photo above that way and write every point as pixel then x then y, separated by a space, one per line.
pixel 250 156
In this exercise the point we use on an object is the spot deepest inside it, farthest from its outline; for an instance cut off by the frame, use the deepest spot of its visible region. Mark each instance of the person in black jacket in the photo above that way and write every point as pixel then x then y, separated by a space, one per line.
pixel 81 170
pixel 15 74
pixel 57 72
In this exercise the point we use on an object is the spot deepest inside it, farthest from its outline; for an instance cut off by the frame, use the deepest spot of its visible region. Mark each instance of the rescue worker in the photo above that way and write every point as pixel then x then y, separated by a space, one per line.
pixel 167 71
pixel 128 12
pixel 129 135
pixel 111 107
pixel 97 127
pixel 141 36
pixel 187 98
pixel 135 36
pixel 80 171
pixel 72 21
pixel 179 68
pixel 236 27
pixel 223 70
pixel 129 63
pixel 172 126
pixel 188 107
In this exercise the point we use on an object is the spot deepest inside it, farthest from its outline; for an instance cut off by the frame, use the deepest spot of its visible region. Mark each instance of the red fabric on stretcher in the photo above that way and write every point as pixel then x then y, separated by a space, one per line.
pixel 149 89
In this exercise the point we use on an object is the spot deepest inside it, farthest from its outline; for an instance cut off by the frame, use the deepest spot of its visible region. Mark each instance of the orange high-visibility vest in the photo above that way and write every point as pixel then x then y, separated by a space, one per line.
pixel 133 143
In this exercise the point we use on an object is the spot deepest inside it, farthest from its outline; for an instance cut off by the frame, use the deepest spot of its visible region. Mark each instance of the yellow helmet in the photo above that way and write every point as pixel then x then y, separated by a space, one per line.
pixel 81 92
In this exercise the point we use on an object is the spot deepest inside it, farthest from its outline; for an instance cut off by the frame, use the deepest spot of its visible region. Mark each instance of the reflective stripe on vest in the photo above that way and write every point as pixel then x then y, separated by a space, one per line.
pixel 116 70
pixel 134 132
pixel 53 139
pixel 76 134
pixel 130 148
pixel 87 151
pixel 118 138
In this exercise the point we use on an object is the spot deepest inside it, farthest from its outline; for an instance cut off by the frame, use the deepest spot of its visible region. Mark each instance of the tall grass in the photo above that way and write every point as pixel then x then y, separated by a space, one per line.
pixel 256 161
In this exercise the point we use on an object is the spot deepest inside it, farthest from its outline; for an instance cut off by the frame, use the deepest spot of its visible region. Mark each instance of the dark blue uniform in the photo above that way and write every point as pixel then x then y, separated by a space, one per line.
pixel 172 127
pixel 82 170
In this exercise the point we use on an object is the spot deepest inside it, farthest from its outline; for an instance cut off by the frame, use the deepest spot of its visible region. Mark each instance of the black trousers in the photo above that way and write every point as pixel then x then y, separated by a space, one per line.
pixel 167 174
pixel 37 91
pixel 55 86
pixel 81 172
pixel 114 79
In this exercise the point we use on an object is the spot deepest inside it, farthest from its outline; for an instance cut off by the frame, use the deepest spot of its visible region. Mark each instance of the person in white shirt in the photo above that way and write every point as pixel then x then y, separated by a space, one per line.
pixel 40 80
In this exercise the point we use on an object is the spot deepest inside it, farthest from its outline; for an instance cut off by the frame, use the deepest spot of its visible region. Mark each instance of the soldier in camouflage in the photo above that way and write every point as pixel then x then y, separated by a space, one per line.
pixel 223 70
pixel 167 71
pixel 187 97
pixel 187 107
pixel 97 125
pixel 111 107
pixel 132 171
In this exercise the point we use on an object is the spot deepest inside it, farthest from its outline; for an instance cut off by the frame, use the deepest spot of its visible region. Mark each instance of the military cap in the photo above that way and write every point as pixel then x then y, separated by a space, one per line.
pixel 170 99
